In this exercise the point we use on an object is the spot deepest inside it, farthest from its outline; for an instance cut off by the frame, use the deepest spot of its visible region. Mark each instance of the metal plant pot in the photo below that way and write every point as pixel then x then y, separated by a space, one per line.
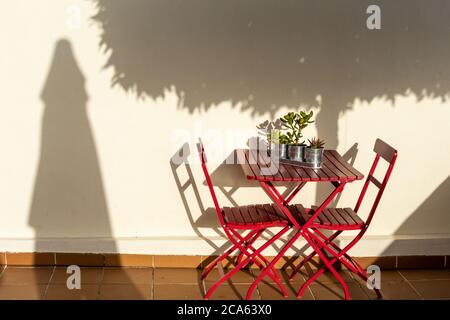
pixel 296 152
pixel 280 150
pixel 314 155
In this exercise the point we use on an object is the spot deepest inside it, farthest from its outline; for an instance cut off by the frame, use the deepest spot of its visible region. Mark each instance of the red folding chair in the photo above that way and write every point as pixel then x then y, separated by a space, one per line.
pixel 253 219
pixel 343 219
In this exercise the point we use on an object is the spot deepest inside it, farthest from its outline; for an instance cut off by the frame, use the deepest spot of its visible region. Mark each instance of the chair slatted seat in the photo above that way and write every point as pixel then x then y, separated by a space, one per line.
pixel 265 215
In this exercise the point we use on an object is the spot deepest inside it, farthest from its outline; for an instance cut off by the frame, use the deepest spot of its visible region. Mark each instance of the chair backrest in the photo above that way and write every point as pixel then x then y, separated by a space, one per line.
pixel 385 151
pixel 201 153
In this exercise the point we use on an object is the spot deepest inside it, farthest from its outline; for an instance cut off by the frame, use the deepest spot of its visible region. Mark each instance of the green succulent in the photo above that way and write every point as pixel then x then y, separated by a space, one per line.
pixel 316 143
pixel 274 136
pixel 295 123
pixel 284 139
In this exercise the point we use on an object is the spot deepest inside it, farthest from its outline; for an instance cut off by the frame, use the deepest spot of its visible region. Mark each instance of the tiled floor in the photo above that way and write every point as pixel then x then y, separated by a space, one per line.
pixel 149 283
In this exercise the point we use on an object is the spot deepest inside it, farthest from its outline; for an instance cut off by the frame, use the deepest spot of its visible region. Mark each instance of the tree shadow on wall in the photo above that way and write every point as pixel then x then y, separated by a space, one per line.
pixel 69 200
pixel 263 54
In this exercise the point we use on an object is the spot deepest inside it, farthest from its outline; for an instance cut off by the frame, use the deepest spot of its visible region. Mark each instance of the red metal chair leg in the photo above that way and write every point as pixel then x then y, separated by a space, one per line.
pixel 230 251
pixel 274 274
pixel 308 238
pixel 250 246
pixel 308 282
pixel 356 268
pixel 233 248
pixel 351 264
pixel 249 243
pixel 310 256
pixel 244 262
pixel 271 265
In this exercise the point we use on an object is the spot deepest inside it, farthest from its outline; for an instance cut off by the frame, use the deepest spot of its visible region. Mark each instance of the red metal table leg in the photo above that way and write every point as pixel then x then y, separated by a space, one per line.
pixel 282 203
pixel 338 188
pixel 294 193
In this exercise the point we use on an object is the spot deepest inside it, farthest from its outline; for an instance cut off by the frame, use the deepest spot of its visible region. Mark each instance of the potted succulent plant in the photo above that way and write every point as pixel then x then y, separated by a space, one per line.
pixel 314 152
pixel 275 140
pixel 279 143
pixel 295 123
pixel 283 143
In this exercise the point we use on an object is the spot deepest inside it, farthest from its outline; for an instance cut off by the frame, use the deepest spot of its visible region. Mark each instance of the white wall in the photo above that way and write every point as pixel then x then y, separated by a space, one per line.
pixel 124 198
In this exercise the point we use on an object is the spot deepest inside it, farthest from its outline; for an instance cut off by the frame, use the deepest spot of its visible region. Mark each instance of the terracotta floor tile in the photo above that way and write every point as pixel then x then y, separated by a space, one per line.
pixel 312 264
pixel 128 276
pixel 89 275
pixel 371 294
pixel 177 276
pixel 387 276
pixel 284 275
pixel 272 292
pixel 436 274
pixel 61 292
pixel 25 275
pixel 334 291
pixel 233 292
pixel 22 292
pixel 383 262
pixel 128 260
pixel 393 287
pixel 328 277
pixel 177 261
pixel 173 283
pixel 432 289
pixel 398 291
pixel 241 276
pixel 80 259
pixel 391 276
pixel 227 263
pixel 271 289
pixel 2 259
pixel 178 292
pixel 30 259
pixel 125 292
pixel 420 262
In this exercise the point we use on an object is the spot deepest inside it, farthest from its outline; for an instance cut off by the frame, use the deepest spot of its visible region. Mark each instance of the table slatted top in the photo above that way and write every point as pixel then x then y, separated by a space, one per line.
pixel 258 166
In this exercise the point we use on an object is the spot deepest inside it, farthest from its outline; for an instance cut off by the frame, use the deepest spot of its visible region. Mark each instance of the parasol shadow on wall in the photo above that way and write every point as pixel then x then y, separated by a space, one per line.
pixel 69 200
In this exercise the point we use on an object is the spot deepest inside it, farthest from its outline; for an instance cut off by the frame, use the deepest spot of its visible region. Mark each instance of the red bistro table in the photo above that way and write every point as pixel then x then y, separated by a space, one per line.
pixel 261 168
